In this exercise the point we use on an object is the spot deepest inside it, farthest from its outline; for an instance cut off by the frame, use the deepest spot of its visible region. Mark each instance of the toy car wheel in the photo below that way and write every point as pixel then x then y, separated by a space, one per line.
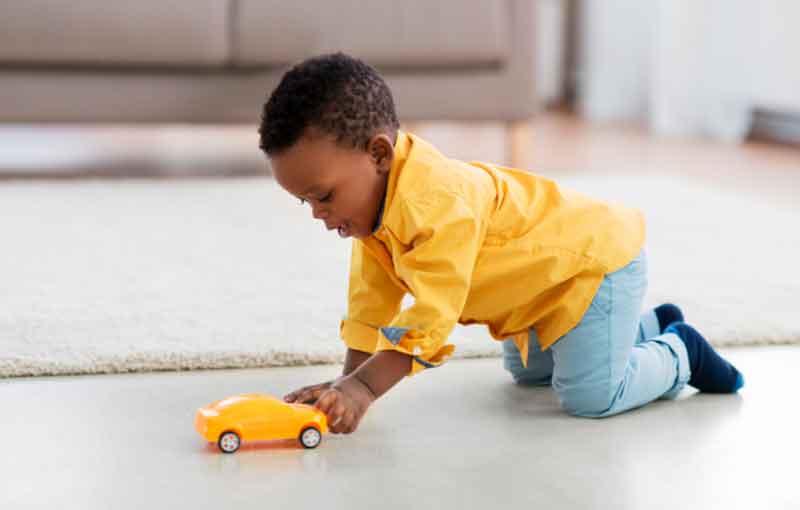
pixel 229 442
pixel 310 437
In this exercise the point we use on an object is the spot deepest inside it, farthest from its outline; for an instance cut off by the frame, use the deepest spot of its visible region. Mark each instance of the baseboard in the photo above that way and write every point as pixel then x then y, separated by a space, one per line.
pixel 776 126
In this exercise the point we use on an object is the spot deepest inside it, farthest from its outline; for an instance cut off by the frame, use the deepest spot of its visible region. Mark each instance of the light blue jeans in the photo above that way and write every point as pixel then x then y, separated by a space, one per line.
pixel 614 359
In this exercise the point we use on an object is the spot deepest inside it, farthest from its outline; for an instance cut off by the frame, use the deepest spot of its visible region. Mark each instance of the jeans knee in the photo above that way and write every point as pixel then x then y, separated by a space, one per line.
pixel 585 403
pixel 527 376
pixel 538 373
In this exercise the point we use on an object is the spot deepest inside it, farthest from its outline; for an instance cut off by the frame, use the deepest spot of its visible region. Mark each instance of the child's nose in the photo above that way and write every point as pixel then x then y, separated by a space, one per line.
pixel 318 212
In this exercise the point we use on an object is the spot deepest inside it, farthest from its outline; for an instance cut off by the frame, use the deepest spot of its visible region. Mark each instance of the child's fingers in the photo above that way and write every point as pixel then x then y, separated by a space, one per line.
pixel 334 410
pixel 349 422
pixel 316 391
pixel 326 402
pixel 337 418
pixel 295 396
pixel 306 394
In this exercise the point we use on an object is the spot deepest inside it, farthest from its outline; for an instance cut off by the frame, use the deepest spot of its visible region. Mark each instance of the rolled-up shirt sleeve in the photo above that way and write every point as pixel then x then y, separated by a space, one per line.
pixel 373 300
pixel 445 235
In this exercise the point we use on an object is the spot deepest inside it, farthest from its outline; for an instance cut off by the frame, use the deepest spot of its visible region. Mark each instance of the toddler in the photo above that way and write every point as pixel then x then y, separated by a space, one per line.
pixel 556 276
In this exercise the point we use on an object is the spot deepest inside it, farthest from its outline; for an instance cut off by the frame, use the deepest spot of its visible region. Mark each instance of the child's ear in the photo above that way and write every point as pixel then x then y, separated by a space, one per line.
pixel 382 152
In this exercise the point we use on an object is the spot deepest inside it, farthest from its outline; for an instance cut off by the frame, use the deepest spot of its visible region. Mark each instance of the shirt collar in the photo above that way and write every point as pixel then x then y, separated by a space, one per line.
pixel 380 215
pixel 402 146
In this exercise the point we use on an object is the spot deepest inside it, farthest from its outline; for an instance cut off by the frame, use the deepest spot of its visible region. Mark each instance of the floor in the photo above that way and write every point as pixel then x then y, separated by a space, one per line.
pixel 462 436
pixel 564 144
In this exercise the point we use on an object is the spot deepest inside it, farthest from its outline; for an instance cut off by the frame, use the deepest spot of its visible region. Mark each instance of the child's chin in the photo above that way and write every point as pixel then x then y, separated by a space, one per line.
pixel 348 234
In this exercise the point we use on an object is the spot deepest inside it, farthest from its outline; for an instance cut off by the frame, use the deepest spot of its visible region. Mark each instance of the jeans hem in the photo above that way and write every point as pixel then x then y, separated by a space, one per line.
pixel 678 349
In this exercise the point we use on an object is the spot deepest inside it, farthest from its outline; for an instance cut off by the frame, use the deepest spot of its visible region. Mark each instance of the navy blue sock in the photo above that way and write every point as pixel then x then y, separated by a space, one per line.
pixel 667 314
pixel 710 372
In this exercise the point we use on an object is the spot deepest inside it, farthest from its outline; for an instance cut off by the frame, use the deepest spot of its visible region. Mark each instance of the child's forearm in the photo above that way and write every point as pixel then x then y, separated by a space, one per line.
pixel 383 370
pixel 353 359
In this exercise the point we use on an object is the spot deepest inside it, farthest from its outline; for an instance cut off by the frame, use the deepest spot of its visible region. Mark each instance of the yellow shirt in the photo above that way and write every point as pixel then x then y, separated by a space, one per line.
pixel 476 243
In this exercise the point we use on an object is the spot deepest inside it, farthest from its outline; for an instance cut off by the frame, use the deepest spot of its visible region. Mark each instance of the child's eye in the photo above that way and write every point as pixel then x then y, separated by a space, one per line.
pixel 326 198
pixel 302 201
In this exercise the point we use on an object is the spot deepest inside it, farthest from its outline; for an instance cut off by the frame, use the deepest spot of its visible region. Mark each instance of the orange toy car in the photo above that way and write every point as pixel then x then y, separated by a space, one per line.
pixel 255 417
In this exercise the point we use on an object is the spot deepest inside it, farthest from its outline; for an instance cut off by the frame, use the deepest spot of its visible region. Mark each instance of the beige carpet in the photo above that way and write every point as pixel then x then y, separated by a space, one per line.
pixel 130 275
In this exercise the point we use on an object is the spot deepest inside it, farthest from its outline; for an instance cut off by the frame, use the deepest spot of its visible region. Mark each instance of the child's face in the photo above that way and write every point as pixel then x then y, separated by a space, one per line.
pixel 344 187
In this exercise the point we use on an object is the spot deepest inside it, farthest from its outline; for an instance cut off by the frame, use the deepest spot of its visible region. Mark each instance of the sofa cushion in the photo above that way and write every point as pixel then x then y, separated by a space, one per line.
pixel 103 33
pixel 386 33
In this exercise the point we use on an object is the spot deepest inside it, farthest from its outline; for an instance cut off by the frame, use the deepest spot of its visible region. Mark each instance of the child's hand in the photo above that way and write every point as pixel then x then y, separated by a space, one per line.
pixel 308 394
pixel 345 403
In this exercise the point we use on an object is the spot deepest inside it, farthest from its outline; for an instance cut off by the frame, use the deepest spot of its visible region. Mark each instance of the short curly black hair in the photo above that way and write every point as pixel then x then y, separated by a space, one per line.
pixel 335 93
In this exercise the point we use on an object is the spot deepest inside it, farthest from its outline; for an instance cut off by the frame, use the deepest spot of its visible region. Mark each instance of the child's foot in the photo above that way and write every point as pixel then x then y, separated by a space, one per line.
pixel 667 314
pixel 710 372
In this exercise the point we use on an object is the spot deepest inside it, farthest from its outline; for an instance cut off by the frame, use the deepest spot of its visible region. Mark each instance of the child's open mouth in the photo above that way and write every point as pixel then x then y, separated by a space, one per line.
pixel 344 231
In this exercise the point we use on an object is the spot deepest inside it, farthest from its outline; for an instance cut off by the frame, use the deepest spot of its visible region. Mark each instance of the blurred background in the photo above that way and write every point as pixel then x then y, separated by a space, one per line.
pixel 136 205
pixel 175 89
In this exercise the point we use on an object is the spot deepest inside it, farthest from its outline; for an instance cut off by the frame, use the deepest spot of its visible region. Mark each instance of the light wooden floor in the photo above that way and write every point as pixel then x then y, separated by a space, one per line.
pixel 558 143
pixel 561 143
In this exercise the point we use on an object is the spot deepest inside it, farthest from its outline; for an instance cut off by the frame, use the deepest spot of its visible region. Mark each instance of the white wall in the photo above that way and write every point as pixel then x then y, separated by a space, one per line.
pixel 613 56
pixel 777 76
pixel 685 67
pixel 550 49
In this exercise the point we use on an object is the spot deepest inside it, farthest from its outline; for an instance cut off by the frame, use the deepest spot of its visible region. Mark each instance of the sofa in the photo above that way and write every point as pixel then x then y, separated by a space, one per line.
pixel 215 61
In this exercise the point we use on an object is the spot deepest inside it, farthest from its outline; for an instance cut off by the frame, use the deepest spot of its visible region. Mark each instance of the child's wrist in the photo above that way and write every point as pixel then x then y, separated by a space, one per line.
pixel 357 389
pixel 357 395
pixel 365 386
pixel 383 370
